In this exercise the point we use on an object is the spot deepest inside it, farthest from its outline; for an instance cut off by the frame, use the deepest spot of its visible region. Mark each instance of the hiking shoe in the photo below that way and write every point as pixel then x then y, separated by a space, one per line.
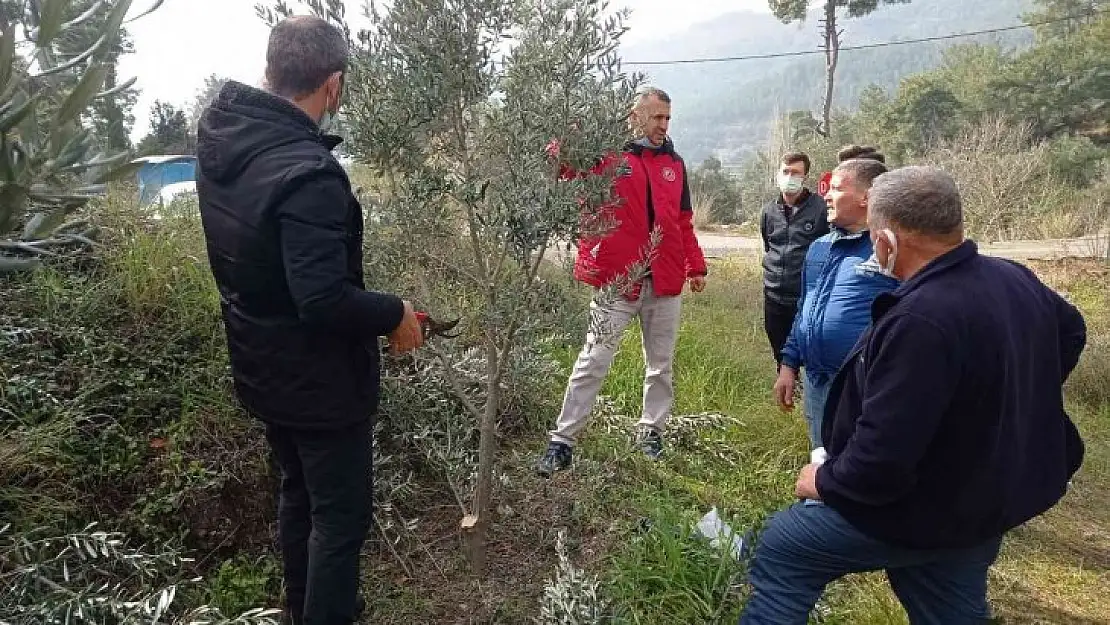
pixel 556 458
pixel 651 443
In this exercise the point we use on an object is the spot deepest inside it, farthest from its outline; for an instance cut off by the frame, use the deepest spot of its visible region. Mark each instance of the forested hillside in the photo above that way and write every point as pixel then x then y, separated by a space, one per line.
pixel 729 107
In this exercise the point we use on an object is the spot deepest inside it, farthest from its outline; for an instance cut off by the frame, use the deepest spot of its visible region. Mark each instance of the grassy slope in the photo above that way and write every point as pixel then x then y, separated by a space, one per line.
pixel 629 520
pixel 115 406
pixel 1054 570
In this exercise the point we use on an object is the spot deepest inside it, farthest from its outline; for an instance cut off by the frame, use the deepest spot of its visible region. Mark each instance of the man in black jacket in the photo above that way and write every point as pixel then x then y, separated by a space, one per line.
pixel 945 428
pixel 788 226
pixel 284 236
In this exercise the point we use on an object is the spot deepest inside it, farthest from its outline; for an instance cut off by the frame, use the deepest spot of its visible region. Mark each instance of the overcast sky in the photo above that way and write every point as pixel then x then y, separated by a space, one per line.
pixel 171 63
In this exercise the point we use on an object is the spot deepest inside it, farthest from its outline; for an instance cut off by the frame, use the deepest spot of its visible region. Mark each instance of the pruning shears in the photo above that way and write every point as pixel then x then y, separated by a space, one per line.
pixel 433 327
pixel 430 326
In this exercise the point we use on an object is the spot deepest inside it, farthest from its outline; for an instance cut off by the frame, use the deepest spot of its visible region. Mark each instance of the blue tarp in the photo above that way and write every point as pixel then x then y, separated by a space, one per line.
pixel 156 174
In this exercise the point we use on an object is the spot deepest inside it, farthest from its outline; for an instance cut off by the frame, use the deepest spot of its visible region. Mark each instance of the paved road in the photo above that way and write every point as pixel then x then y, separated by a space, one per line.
pixel 722 245
pixel 1086 247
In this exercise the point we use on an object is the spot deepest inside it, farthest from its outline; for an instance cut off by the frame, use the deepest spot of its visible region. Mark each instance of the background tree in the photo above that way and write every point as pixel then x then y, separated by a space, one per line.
pixel 797 10
pixel 169 131
pixel 205 95
pixel 1063 18
pixel 1024 131
pixel 1063 84
pixel 709 183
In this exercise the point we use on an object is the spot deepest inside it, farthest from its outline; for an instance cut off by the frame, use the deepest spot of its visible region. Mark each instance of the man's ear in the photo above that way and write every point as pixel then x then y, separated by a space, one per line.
pixel 335 86
pixel 882 239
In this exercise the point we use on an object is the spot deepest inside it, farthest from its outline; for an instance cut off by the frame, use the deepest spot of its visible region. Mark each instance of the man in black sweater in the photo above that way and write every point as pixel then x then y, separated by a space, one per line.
pixel 284 236
pixel 945 428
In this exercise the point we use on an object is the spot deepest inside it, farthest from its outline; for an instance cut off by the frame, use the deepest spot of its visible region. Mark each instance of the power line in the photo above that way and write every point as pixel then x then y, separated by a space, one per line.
pixel 870 46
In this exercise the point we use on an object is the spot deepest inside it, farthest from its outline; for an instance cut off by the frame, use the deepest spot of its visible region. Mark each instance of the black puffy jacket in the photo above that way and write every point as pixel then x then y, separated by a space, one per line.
pixel 785 244
pixel 284 236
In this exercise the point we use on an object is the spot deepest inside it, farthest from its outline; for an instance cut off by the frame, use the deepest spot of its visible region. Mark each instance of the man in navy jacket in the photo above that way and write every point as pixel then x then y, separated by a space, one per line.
pixel 946 426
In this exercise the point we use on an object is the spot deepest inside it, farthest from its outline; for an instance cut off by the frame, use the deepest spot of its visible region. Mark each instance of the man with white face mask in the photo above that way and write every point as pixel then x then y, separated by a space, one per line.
pixel 788 226
pixel 946 426
pixel 284 235
pixel 837 291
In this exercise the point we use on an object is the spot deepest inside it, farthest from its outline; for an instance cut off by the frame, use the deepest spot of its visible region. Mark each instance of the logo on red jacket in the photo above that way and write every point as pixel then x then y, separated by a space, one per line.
pixel 669 175
pixel 824 183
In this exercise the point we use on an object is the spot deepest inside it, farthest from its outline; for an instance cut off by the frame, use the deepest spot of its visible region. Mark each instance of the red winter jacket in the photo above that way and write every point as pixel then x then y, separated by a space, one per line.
pixel 652 190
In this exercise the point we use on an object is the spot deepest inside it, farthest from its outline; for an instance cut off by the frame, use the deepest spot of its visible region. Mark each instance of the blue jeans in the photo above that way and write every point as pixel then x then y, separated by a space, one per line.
pixel 814 397
pixel 805 547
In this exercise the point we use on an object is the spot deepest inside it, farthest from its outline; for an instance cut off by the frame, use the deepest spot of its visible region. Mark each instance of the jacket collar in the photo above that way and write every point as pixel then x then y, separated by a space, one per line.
pixel 840 234
pixel 960 254
pixel 331 141
pixel 267 104
pixel 802 199
pixel 637 149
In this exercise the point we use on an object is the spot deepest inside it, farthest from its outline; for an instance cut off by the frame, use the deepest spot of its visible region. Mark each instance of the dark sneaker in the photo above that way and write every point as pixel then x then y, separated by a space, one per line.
pixel 651 443
pixel 287 617
pixel 556 458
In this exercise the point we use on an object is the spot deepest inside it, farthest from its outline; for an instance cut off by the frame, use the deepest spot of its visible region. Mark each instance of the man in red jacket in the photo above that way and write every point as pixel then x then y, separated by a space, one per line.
pixel 653 195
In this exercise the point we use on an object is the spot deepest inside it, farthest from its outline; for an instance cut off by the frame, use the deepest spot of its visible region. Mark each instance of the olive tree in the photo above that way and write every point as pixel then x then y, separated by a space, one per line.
pixel 487 122
pixel 49 163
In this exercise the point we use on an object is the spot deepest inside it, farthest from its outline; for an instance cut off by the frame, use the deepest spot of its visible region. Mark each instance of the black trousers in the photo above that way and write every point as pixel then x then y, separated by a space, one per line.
pixel 324 513
pixel 778 319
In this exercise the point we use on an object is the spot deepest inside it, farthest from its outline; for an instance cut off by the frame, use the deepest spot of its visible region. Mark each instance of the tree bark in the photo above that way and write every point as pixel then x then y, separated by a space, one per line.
pixel 832 57
pixel 487 450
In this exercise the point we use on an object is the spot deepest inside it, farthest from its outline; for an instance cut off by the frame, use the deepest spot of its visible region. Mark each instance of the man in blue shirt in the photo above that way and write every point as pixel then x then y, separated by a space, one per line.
pixel 838 286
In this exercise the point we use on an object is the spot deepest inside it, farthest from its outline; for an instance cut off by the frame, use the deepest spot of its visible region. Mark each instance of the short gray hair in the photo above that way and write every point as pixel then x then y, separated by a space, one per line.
pixel 303 51
pixel 656 92
pixel 925 200
pixel 864 171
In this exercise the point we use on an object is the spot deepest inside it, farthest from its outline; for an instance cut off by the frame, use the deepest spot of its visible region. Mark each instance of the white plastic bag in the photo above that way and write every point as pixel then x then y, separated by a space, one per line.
pixel 719 533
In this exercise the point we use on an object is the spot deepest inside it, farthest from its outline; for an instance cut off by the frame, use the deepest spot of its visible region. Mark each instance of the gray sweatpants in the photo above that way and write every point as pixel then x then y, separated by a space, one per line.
pixel 659 318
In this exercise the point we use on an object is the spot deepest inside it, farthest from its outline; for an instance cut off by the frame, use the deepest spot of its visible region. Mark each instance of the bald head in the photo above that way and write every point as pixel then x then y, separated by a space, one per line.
pixel 304 51
pixel 921 200
pixel 651 117
pixel 652 92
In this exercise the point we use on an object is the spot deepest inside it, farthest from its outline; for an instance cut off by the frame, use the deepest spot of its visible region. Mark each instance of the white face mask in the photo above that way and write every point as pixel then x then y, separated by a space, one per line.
pixel 888 268
pixel 789 184
pixel 327 120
